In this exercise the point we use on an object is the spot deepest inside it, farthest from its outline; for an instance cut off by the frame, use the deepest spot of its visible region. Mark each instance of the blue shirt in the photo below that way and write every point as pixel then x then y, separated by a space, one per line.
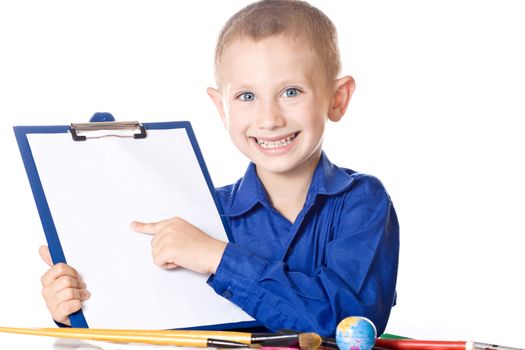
pixel 338 259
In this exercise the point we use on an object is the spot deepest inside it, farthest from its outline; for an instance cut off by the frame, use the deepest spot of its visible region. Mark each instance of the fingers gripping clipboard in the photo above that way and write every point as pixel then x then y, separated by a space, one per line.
pixel 89 182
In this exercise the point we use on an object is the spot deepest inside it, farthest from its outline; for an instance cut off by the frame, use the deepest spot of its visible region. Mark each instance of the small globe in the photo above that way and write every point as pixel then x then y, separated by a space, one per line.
pixel 355 333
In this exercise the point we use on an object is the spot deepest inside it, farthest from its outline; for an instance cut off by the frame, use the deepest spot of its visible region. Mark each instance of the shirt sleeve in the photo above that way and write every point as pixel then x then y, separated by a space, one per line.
pixel 358 276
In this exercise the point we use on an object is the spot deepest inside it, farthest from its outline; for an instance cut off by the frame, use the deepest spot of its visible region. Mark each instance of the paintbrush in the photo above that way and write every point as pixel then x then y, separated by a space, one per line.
pixel 301 340
pixel 295 339
pixel 124 337
pixel 413 344
pixel 263 339
pixel 325 342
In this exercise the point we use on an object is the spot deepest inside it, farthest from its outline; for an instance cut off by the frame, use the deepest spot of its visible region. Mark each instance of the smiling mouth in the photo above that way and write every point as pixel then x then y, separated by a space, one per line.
pixel 276 143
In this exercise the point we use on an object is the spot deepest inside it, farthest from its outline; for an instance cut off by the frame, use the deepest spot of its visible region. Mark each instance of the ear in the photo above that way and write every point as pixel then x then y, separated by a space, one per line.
pixel 217 101
pixel 344 88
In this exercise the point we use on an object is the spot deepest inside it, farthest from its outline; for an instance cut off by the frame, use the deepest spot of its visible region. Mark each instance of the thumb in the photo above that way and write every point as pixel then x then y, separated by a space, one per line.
pixel 45 255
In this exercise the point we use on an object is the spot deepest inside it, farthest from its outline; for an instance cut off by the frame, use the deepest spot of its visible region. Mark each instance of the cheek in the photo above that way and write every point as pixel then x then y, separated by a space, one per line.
pixel 310 116
pixel 314 125
pixel 317 127
pixel 238 136
pixel 236 129
pixel 238 119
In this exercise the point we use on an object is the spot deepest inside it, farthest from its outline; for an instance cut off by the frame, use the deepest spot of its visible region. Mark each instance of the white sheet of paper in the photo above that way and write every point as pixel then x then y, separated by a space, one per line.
pixel 94 189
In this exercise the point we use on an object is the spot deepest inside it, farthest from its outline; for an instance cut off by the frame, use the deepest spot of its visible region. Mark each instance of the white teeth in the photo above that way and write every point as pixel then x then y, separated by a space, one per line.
pixel 275 144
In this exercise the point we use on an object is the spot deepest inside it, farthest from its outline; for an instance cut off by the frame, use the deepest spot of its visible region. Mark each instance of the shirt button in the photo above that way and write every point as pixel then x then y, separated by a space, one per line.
pixel 227 294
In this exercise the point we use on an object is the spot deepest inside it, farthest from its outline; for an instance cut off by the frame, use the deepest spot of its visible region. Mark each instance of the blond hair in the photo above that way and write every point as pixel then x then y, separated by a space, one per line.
pixel 296 18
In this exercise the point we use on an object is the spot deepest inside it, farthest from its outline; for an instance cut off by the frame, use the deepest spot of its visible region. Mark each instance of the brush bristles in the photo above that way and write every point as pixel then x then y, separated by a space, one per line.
pixel 310 341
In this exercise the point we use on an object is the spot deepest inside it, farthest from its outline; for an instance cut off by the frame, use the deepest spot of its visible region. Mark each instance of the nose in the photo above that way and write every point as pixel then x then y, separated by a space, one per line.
pixel 270 116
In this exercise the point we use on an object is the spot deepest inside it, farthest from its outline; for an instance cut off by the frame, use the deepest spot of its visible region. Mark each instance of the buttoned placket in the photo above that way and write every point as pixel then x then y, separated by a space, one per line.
pixel 296 226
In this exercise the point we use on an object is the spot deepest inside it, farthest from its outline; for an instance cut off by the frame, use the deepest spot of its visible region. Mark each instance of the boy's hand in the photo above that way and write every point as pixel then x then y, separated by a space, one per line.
pixel 176 242
pixel 62 290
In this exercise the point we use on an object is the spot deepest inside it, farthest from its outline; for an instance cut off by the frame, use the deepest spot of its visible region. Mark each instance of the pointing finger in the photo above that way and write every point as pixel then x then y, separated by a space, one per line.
pixel 140 227
pixel 151 228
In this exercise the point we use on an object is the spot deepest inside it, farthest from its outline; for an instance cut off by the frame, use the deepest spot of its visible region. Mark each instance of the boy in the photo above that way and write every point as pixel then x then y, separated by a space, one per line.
pixel 314 243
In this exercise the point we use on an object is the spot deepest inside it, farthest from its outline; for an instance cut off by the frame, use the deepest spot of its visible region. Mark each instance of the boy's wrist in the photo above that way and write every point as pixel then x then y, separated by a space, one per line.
pixel 216 256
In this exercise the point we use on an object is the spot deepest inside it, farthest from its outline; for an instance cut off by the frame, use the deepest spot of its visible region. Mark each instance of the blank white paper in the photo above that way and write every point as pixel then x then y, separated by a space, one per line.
pixel 94 189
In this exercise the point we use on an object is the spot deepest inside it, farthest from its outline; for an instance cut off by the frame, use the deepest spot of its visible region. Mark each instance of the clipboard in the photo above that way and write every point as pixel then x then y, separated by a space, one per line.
pixel 89 181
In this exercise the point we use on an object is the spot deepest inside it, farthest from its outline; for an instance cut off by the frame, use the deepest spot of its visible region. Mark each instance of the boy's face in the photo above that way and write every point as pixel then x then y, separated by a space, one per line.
pixel 274 99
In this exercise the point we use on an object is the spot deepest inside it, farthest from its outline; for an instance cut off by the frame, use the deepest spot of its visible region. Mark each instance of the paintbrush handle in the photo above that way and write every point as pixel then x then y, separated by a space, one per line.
pixel 239 337
pixel 265 339
pixel 413 344
pixel 123 337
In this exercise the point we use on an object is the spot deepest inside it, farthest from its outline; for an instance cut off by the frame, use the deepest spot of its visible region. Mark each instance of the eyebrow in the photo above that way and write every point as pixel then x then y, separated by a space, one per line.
pixel 283 83
pixel 300 81
pixel 240 86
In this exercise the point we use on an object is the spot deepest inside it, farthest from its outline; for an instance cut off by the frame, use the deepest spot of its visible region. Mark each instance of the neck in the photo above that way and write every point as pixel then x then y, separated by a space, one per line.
pixel 287 191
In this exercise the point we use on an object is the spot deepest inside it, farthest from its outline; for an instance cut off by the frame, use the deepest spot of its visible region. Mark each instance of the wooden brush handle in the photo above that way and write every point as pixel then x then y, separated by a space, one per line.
pixel 118 336
pixel 239 337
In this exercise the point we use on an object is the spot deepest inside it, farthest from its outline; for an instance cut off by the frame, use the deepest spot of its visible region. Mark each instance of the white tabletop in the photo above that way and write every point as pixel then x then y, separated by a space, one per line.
pixel 25 342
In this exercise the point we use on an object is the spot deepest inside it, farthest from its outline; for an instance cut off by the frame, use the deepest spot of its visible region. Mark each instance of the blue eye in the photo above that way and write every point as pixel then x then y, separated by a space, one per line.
pixel 247 96
pixel 291 92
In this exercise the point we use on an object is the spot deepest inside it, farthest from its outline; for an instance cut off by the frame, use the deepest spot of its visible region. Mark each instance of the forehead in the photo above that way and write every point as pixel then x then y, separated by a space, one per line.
pixel 273 57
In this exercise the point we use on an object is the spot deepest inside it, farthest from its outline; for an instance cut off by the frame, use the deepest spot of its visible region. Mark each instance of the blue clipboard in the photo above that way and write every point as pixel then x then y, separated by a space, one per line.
pixel 78 319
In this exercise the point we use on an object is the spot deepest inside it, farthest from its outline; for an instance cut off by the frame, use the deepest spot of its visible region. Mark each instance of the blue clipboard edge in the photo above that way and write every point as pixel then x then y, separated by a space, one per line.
pixel 55 248
pixel 78 319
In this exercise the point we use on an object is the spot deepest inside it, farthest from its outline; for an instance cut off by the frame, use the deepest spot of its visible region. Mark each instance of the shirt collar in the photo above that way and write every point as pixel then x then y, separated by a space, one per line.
pixel 331 179
pixel 328 179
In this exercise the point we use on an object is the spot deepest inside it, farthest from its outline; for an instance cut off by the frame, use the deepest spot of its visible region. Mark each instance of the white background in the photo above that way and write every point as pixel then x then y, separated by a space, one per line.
pixel 436 116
